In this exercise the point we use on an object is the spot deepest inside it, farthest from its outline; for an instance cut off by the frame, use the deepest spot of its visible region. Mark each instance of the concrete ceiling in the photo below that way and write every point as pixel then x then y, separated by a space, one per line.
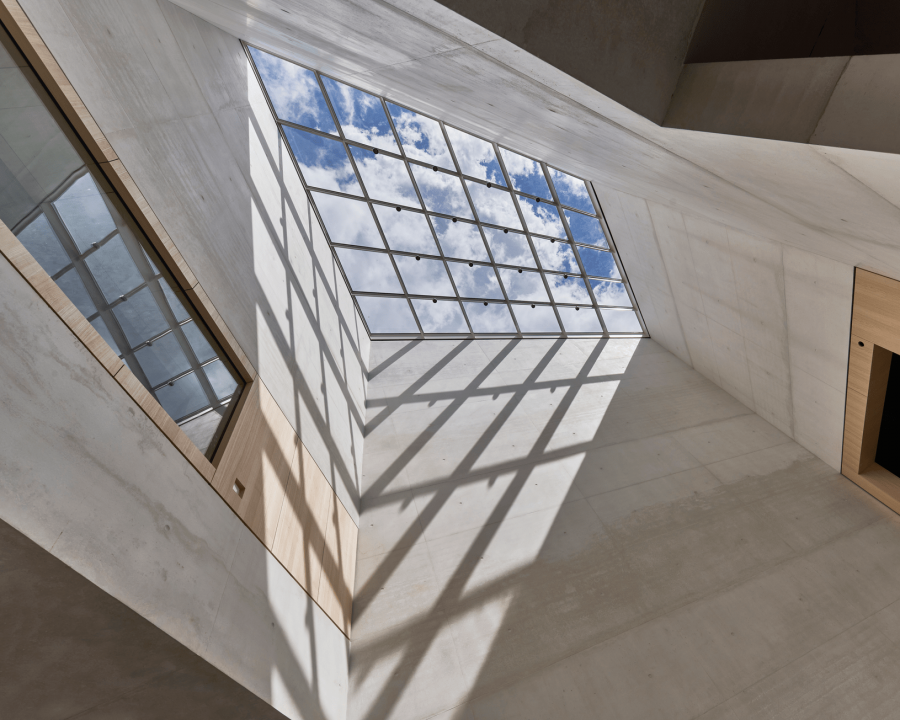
pixel 740 250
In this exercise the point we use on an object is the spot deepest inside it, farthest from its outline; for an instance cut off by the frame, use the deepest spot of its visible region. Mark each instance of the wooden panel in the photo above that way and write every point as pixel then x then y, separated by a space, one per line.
pixel 24 33
pixel 164 422
pixel 208 312
pixel 305 514
pixel 257 461
pixel 34 275
pixel 335 594
pixel 854 422
pixel 881 484
pixel 860 364
pixel 876 309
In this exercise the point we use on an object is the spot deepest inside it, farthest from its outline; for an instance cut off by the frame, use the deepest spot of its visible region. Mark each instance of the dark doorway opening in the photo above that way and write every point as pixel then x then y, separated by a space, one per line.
pixel 888 452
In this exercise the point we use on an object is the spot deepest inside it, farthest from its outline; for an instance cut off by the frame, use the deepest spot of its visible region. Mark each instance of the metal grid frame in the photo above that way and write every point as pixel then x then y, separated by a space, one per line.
pixel 429 214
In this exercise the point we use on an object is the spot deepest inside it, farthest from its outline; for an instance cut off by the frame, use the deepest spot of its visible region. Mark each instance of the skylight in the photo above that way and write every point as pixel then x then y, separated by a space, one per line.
pixel 441 233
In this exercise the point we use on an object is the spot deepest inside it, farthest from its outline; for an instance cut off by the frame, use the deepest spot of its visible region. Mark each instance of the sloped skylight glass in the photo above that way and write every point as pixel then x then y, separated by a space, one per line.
pixel 439 232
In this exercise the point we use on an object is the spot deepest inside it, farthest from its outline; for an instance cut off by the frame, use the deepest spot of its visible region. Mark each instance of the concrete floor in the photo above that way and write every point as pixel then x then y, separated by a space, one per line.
pixel 588 529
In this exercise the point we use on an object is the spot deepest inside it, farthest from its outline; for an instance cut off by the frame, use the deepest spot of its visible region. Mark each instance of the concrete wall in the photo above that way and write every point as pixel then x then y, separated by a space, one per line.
pixel 591 530
pixel 87 476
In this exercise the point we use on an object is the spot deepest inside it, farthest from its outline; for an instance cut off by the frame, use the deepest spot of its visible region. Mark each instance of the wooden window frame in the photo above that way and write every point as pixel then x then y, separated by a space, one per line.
pixel 874 338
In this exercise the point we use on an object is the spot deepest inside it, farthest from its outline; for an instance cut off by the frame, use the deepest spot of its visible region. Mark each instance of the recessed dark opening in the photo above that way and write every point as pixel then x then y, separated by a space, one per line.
pixel 888 452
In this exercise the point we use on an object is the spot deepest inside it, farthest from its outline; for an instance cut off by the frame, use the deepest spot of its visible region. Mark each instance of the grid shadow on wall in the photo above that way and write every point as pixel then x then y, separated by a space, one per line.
pixel 440 233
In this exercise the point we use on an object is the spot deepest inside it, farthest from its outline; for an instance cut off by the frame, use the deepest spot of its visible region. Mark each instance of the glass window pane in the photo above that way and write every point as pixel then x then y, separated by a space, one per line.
pixel 568 290
pixel 556 256
pixel 539 318
pixel 510 248
pixel 424 277
pixel 294 92
pixel 84 213
pixel 460 240
pixel 153 269
pixel 177 308
pixel 443 316
pixel 162 360
pixel 40 240
pixel 140 318
pixel 523 285
pixel 349 222
pixel 222 381
pixel 586 230
pixel 490 318
pixel 198 342
pixel 541 218
pixel 361 115
pixel 421 137
pixel 73 287
pixel 571 191
pixel 442 193
pixel 621 321
pixel 184 397
pixel 475 156
pixel 387 315
pixel 385 178
pixel 599 263
pixel 114 270
pixel 104 332
pixel 607 292
pixel 323 161
pixel 406 230
pixel 478 281
pixel 580 319
pixel 493 205
pixel 369 271
pixel 526 175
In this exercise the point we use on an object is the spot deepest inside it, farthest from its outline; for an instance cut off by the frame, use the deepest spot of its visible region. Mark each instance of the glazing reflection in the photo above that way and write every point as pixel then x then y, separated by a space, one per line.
pixel 323 162
pixel 571 191
pixel 476 157
pixel 599 263
pixel 361 115
pixel 349 222
pixel 527 175
pixel 585 230
pixel 421 137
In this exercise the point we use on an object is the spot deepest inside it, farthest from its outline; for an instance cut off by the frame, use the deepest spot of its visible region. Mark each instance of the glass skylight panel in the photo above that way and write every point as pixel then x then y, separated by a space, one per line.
pixel 556 255
pixel 441 316
pixel 423 276
pixel 510 248
pixel 388 316
pixel 368 271
pixel 223 384
pixel 461 236
pixel 585 230
pixel 536 318
pixel 140 318
pixel 599 263
pixel 348 222
pixel 183 396
pixel 421 137
pixel 163 359
pixel 361 115
pixel 406 230
pixel 476 281
pixel 571 191
pixel 202 349
pixel 385 178
pixel 40 240
pixel 443 193
pixel 489 318
pixel 460 240
pixel 523 285
pixel 476 157
pixel 113 269
pixel 494 205
pixel 85 213
pixel 294 93
pixel 74 288
pixel 323 161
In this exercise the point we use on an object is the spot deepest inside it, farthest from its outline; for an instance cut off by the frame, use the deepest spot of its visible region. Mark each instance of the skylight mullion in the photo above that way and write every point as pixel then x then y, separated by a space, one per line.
pixel 565 222
pixel 592 194
pixel 528 239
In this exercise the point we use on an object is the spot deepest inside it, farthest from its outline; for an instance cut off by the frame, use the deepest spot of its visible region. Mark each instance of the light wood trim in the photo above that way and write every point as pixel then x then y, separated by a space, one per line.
pixel 259 457
pixel 164 422
pixel 305 514
pixel 874 338
pixel 335 594
pixel 34 275
pixel 38 54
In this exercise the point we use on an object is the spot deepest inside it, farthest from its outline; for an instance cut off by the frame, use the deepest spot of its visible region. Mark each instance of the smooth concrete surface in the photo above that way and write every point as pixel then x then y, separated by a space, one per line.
pixel 178 101
pixel 70 650
pixel 588 529
pixel 86 476
pixel 833 207
pixel 772 99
